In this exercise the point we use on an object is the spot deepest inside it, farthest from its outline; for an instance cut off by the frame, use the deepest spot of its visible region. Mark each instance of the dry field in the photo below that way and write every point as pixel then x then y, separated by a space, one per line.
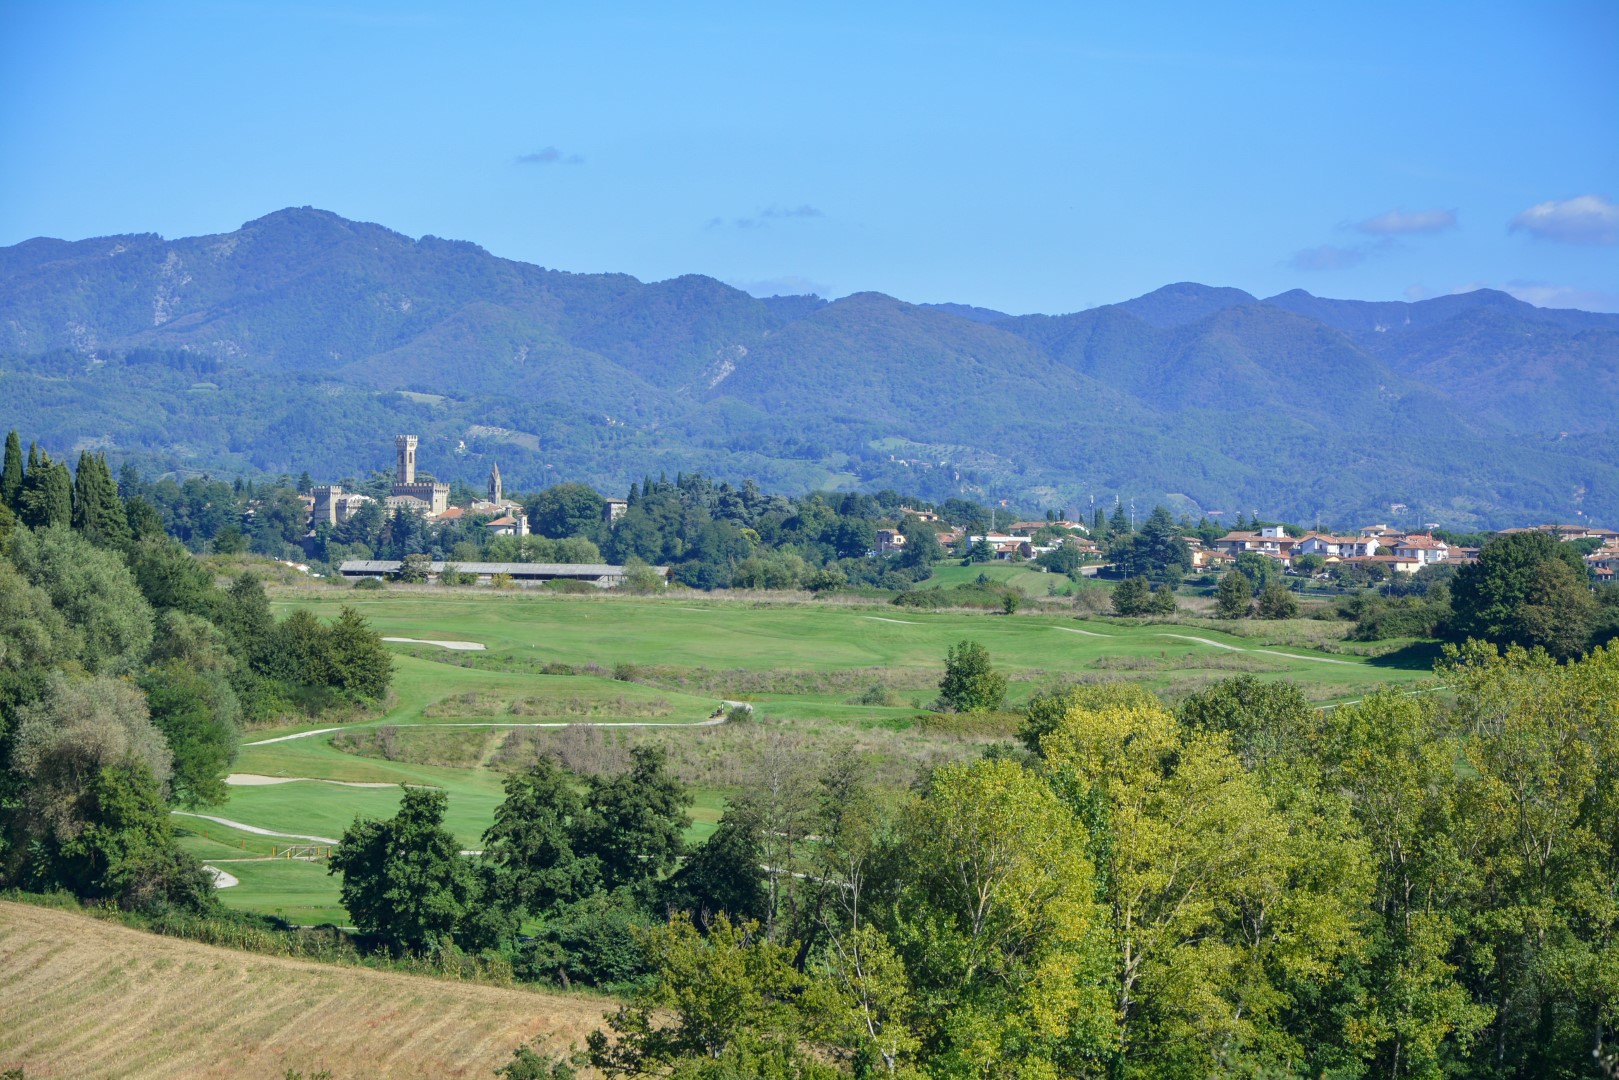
pixel 84 998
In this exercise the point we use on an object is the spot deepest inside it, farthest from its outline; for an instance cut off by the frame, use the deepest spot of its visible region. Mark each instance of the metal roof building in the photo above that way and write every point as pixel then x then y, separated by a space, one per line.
pixel 604 575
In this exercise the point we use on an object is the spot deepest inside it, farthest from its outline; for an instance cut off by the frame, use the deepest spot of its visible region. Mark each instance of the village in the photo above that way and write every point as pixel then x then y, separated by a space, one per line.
pixel 1378 551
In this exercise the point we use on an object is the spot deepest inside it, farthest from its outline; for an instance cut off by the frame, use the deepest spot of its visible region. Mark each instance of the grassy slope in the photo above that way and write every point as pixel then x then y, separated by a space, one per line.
pixel 682 631
pixel 719 634
pixel 1031 582
pixel 87 998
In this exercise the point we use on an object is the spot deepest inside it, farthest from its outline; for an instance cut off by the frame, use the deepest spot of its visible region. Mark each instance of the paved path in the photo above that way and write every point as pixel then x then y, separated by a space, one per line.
pixel 1076 630
pixel 1204 641
pixel 712 721
pixel 1317 659
pixel 298 735
pixel 879 618
pixel 255 780
pixel 1260 652
pixel 254 829
pixel 222 880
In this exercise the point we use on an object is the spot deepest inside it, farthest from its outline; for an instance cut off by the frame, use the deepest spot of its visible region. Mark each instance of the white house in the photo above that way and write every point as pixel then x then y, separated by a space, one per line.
pixel 1421 549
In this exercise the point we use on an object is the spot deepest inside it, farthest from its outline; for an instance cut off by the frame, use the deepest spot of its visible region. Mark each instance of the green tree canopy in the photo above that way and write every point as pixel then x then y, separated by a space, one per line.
pixel 1525 589
pixel 198 714
pixel 404 879
pixel 970 683
pixel 632 822
pixel 1234 595
pixel 98 513
pixel 93 590
pixel 11 474
pixel 565 510
pixel 531 841
pixel 726 874
pixel 1276 601
pixel 1132 596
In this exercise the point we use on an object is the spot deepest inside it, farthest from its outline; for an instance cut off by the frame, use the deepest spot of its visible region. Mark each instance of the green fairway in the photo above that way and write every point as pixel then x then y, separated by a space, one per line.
pixel 805 667
pixel 693 632
pixel 1026 577
pixel 291 889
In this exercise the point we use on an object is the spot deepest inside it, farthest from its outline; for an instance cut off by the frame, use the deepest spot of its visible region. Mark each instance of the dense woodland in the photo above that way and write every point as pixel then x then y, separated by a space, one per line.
pixel 1416 885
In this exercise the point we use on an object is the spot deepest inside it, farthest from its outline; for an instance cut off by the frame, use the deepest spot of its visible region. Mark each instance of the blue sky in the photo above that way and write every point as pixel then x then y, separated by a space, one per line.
pixel 1033 157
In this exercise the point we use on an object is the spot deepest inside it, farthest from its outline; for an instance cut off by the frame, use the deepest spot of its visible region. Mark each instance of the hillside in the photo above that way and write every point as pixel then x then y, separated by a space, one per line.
pixel 83 997
pixel 304 341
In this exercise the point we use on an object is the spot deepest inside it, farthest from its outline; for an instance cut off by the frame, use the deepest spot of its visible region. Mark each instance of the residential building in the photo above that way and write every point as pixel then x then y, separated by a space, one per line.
pixel 1421 549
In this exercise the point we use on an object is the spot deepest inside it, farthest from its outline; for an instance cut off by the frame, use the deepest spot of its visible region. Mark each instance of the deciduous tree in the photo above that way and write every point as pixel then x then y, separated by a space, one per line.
pixel 404 879
pixel 970 683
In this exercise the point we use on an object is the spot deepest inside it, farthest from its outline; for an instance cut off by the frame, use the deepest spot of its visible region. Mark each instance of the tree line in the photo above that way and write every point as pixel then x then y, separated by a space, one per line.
pixel 126 674
pixel 1244 884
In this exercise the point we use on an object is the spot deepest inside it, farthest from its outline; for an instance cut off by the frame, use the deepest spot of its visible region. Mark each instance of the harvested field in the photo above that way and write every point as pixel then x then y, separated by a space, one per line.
pixel 86 998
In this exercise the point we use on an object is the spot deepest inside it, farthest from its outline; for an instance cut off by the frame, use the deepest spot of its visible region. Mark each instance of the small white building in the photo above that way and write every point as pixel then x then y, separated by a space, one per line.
pixel 509 525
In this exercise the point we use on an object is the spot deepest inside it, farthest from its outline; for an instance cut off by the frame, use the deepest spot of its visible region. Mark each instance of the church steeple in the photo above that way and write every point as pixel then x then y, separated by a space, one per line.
pixel 494 483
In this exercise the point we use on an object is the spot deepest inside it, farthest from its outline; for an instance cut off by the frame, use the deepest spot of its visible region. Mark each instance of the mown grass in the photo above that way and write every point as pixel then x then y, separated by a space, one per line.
pixel 822 678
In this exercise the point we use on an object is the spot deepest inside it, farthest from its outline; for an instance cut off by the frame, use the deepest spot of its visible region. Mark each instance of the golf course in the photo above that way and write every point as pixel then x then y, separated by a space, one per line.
pixel 485 681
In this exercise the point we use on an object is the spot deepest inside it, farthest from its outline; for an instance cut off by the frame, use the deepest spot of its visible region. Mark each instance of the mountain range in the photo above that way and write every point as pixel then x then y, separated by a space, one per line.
pixel 304 341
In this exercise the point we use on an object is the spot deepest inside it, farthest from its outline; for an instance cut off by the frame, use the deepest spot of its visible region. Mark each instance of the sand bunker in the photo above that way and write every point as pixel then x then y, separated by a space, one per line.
pixel 464 646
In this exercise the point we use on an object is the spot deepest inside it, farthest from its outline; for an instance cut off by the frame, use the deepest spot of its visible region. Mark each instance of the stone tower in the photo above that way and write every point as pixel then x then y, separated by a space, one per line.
pixel 494 483
pixel 405 446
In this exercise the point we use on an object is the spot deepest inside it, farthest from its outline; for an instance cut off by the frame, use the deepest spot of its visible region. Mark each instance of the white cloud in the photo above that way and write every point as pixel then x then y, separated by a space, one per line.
pixel 1399 223
pixel 768 214
pixel 804 211
pixel 1584 219
pixel 549 155
pixel 1541 294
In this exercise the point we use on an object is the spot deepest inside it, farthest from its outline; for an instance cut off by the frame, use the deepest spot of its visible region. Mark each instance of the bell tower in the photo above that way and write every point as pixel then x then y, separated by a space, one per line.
pixel 405 446
pixel 494 483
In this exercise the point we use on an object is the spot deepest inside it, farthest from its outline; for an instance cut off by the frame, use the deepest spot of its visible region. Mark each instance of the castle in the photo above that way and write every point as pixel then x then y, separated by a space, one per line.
pixel 428 496
pixel 332 505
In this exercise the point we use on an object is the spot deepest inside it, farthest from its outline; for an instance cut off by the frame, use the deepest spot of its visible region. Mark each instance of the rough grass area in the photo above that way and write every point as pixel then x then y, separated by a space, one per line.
pixel 728 758
pixel 474 704
pixel 454 748
pixel 82 997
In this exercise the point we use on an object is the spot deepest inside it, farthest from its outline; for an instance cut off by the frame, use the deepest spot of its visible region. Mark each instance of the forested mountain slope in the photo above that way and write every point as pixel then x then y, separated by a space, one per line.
pixel 305 341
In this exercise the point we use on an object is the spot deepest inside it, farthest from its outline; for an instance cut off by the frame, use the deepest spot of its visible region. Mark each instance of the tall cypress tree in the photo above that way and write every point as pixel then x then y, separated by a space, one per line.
pixel 86 490
pixel 47 495
pixel 11 473
pixel 97 510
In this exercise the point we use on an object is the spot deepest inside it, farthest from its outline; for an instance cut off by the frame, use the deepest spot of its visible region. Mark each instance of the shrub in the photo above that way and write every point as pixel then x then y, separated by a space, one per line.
pixel 1276 602
pixel 875 694
pixel 370 584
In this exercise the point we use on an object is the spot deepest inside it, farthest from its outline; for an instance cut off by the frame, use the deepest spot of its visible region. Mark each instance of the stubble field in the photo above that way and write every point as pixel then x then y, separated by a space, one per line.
pixel 85 998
